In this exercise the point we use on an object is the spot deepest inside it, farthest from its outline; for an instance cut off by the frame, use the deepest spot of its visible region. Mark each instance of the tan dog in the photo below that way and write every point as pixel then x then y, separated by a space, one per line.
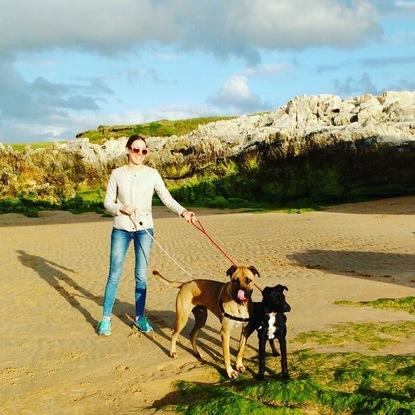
pixel 230 302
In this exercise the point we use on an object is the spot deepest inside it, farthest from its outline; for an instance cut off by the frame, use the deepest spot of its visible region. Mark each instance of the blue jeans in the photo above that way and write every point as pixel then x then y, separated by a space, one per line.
pixel 120 241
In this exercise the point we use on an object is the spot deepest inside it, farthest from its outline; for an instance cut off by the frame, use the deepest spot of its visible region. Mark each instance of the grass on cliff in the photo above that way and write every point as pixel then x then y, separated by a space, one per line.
pixel 321 383
pixel 45 144
pixel 397 304
pixel 161 128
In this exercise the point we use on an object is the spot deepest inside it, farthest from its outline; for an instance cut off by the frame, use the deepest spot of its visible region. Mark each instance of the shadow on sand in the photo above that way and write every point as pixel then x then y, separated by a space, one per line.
pixel 377 266
pixel 57 276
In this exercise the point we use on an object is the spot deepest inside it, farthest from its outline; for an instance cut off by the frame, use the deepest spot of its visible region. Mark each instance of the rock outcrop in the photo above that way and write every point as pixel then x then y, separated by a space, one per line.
pixel 274 145
pixel 317 121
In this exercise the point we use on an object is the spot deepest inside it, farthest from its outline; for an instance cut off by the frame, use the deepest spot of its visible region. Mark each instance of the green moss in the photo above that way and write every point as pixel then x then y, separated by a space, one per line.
pixel 373 335
pixel 214 399
pixel 399 304
pixel 322 383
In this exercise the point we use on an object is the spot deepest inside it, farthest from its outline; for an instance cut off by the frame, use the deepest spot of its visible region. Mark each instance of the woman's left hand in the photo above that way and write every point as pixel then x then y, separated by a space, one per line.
pixel 189 216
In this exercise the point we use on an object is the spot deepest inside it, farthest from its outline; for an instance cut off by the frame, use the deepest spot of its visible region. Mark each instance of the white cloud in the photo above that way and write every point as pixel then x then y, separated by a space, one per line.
pixel 266 69
pixel 235 94
pixel 234 27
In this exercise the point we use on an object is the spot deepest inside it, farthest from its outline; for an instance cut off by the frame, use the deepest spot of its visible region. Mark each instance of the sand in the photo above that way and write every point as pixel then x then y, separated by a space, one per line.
pixel 53 271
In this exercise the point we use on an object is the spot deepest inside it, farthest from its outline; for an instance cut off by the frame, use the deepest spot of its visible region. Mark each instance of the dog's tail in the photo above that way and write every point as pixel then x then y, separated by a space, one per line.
pixel 170 283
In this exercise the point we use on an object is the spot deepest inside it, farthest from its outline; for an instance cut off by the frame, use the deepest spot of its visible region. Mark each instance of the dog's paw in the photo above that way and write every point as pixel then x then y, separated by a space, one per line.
pixel 173 355
pixel 232 374
pixel 240 368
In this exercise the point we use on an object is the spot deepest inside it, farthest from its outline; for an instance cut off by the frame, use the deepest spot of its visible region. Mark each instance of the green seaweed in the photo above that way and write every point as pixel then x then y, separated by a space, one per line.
pixel 373 335
pixel 320 383
pixel 398 304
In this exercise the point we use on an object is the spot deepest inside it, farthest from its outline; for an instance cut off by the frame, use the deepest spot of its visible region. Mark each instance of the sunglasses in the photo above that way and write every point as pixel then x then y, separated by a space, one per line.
pixel 142 151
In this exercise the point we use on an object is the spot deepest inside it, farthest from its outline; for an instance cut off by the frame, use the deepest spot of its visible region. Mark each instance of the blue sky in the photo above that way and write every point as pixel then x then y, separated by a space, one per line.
pixel 69 66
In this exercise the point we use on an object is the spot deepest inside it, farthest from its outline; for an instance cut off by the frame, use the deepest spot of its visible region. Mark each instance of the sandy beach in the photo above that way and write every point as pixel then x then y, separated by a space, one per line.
pixel 53 271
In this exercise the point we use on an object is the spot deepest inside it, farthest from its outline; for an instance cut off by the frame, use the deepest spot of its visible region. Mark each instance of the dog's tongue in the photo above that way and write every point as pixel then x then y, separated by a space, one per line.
pixel 241 296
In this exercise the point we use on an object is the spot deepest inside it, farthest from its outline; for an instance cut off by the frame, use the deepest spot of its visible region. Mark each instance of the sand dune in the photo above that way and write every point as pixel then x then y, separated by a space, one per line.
pixel 53 271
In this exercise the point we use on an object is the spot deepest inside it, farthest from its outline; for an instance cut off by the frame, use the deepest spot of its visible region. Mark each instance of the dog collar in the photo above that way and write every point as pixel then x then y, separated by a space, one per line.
pixel 244 320
pixel 225 314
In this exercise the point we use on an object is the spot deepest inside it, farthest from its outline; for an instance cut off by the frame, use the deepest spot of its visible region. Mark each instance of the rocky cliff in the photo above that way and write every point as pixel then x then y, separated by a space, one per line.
pixel 315 147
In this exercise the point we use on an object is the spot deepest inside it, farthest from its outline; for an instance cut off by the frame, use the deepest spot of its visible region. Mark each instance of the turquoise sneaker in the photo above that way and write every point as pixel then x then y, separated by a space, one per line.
pixel 143 325
pixel 104 328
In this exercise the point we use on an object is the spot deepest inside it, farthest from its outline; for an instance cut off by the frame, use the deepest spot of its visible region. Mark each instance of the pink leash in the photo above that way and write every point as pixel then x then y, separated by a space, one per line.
pixel 198 225
pixel 202 229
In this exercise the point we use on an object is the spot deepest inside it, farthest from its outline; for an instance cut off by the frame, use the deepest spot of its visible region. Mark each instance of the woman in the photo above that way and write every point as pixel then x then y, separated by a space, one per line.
pixel 128 197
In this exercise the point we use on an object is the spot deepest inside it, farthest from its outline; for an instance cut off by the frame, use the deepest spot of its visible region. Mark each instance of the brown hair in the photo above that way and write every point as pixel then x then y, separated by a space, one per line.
pixel 133 138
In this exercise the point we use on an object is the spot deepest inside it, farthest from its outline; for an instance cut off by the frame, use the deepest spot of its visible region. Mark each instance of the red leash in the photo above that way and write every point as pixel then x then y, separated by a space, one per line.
pixel 198 225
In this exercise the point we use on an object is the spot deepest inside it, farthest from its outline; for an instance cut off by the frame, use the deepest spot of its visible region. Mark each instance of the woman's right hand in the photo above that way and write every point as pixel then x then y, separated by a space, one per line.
pixel 190 216
pixel 127 209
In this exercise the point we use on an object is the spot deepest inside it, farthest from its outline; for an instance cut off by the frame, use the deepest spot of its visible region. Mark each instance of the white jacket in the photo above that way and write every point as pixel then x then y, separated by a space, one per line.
pixel 137 189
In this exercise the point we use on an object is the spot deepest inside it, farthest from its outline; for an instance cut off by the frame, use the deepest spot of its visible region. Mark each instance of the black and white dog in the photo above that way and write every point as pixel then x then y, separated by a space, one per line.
pixel 269 320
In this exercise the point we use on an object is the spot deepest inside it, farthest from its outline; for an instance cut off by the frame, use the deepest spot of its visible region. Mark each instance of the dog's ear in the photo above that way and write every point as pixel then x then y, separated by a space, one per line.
pixel 254 270
pixel 231 270
pixel 281 287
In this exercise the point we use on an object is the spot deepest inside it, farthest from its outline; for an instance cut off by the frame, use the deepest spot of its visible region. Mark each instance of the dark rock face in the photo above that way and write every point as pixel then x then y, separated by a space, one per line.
pixel 318 147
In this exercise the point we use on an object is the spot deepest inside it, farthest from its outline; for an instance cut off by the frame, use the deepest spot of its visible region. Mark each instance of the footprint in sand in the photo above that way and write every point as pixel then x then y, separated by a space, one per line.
pixel 121 368
pixel 14 374
pixel 72 355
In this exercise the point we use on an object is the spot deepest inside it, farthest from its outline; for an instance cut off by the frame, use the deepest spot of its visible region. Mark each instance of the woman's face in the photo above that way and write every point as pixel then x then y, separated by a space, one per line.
pixel 137 152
